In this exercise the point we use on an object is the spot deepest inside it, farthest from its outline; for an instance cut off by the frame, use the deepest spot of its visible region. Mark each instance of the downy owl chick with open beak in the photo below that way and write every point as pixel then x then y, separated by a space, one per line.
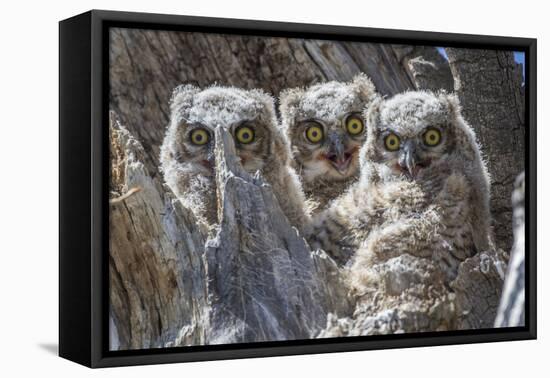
pixel 326 130
pixel 187 154
pixel 423 190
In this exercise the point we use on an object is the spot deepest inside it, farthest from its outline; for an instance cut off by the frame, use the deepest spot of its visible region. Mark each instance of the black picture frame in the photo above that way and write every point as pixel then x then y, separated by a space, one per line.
pixel 83 181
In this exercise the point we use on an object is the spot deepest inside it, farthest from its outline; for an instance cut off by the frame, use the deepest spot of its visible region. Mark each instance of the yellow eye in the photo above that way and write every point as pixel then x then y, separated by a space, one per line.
pixel 432 137
pixel 199 137
pixel 314 134
pixel 244 135
pixel 392 142
pixel 354 125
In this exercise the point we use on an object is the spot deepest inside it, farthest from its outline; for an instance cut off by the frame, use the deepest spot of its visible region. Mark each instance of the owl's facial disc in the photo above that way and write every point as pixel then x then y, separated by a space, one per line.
pixel 328 150
pixel 198 144
pixel 250 142
pixel 413 154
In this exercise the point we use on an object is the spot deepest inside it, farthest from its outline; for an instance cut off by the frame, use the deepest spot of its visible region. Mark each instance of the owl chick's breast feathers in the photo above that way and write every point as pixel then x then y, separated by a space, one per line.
pixel 420 163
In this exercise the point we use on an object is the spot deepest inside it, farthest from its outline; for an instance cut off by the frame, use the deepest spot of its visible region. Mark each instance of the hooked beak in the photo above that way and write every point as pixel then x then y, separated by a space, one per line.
pixel 337 155
pixel 408 159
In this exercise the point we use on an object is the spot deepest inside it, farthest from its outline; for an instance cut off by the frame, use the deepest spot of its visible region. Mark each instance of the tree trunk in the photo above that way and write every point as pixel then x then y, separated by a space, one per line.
pixel 511 312
pixel 257 280
pixel 426 67
pixel 170 286
pixel 421 301
pixel 489 85
pixel 478 288
pixel 263 281
pixel 156 270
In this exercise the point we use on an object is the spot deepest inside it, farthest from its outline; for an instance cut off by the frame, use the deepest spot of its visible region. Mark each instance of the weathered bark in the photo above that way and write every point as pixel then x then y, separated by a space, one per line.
pixel 511 312
pixel 263 281
pixel 478 288
pixel 257 280
pixel 489 85
pixel 157 276
pixel 146 65
pixel 411 297
pixel 416 298
pixel 427 68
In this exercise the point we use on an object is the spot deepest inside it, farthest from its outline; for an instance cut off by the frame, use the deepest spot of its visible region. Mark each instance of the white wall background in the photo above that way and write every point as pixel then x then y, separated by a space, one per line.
pixel 29 186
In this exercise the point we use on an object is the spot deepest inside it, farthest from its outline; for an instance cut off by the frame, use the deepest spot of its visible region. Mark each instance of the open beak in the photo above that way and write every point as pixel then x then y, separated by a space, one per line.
pixel 340 162
pixel 337 155
pixel 408 159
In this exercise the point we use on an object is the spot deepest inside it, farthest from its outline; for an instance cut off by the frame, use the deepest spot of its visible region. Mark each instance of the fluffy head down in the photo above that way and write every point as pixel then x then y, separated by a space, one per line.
pixel 326 128
pixel 187 154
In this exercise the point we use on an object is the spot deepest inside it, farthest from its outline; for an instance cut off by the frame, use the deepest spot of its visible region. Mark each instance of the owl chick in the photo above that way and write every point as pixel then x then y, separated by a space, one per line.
pixel 187 154
pixel 423 190
pixel 326 130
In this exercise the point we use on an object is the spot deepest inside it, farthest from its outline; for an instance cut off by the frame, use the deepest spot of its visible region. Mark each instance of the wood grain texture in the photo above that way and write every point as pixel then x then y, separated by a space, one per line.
pixel 426 67
pixel 263 281
pixel 257 279
pixel 157 275
pixel 511 312
pixel 488 84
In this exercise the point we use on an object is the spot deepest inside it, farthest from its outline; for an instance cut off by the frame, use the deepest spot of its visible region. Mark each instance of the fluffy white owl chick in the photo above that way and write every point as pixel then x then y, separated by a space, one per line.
pixel 187 153
pixel 326 129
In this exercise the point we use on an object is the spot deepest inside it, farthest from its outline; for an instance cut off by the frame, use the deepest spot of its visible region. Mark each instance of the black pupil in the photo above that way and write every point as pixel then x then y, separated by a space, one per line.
pixel 198 137
pixel 432 136
pixel 314 133
pixel 392 142
pixel 245 135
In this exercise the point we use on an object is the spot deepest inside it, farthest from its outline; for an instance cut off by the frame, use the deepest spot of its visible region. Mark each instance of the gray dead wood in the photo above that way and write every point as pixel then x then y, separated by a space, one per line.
pixel 427 68
pixel 478 288
pixel 415 298
pixel 489 85
pixel 263 281
pixel 157 276
pixel 511 312
pixel 411 297
pixel 257 280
